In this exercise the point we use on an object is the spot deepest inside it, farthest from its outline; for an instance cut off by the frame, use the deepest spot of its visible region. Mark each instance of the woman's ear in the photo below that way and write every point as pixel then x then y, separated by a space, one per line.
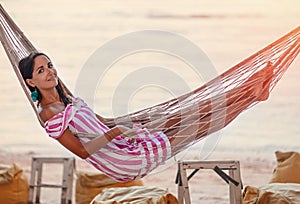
pixel 30 82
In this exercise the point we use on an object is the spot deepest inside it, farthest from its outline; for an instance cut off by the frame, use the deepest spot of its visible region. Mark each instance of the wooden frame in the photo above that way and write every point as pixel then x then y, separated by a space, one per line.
pixel 233 179
pixel 36 178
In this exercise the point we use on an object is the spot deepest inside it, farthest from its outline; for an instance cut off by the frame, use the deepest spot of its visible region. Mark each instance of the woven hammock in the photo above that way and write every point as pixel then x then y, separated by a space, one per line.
pixel 200 112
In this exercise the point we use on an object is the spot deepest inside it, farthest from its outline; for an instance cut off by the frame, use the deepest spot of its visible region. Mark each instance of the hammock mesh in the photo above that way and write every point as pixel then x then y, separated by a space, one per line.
pixel 199 113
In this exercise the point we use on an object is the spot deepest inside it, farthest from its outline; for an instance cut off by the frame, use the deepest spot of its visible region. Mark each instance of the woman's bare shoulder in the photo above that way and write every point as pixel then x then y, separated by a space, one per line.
pixel 49 111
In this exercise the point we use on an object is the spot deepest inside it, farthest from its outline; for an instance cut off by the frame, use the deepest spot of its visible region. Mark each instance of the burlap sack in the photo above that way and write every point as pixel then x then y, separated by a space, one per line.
pixel 274 193
pixel 88 185
pixel 13 185
pixel 288 168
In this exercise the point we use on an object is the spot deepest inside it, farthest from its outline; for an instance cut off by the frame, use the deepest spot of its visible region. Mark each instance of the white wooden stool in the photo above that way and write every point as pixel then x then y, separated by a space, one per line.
pixel 36 178
pixel 233 179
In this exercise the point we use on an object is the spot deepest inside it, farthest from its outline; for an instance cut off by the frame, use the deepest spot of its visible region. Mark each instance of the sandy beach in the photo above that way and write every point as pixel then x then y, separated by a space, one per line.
pixel 205 187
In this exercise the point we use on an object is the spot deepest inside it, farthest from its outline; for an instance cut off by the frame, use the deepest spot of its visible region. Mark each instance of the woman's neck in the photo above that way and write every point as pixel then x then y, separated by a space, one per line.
pixel 49 97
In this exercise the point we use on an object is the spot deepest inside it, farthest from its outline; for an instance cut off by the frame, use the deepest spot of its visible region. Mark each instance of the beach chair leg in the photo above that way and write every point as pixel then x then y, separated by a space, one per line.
pixel 183 189
pixel 36 174
pixel 32 180
pixel 235 191
pixel 231 189
pixel 67 181
pixel 39 181
pixel 179 184
pixel 238 189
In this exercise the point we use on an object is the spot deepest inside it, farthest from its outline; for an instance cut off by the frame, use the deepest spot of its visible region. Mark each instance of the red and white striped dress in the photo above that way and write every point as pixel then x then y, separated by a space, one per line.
pixel 120 159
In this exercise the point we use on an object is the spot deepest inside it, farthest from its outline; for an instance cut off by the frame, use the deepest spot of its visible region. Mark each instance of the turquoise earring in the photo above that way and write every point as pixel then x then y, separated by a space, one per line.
pixel 34 95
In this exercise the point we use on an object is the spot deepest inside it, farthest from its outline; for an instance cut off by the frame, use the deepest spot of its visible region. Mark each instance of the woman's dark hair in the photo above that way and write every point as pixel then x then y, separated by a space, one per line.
pixel 26 66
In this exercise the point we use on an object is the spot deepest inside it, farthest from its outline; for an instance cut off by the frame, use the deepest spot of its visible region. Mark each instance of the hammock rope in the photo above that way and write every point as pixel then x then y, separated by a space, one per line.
pixel 199 113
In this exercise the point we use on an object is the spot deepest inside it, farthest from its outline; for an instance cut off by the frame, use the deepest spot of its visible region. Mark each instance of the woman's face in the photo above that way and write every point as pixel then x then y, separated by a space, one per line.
pixel 44 75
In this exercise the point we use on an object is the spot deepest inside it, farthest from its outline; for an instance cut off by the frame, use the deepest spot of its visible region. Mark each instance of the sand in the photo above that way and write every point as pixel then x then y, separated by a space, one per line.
pixel 205 187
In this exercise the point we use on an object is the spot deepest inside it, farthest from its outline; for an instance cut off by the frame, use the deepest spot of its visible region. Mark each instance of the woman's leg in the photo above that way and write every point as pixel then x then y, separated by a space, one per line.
pixel 210 118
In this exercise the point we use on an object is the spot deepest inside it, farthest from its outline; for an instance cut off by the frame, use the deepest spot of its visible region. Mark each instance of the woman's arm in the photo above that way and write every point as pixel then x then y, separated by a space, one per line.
pixel 84 150
pixel 69 141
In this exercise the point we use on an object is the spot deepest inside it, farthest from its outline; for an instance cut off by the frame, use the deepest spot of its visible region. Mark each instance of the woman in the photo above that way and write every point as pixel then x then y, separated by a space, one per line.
pixel 73 124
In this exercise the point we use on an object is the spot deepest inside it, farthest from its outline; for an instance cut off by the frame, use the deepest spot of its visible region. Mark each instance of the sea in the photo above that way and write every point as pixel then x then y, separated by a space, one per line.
pixel 139 71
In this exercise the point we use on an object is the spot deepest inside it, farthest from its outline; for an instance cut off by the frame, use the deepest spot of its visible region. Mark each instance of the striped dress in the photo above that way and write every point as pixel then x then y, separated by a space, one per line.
pixel 121 159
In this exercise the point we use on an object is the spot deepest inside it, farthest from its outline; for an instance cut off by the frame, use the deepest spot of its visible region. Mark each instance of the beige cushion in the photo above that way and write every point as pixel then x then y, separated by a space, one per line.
pixel 88 185
pixel 135 195
pixel 288 168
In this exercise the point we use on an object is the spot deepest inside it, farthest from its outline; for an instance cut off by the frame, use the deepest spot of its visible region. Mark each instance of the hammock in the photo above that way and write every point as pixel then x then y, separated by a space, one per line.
pixel 191 109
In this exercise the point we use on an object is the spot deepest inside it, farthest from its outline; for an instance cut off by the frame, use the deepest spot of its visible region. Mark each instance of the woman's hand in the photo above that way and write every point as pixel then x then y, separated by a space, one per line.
pixel 116 131
pixel 110 122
